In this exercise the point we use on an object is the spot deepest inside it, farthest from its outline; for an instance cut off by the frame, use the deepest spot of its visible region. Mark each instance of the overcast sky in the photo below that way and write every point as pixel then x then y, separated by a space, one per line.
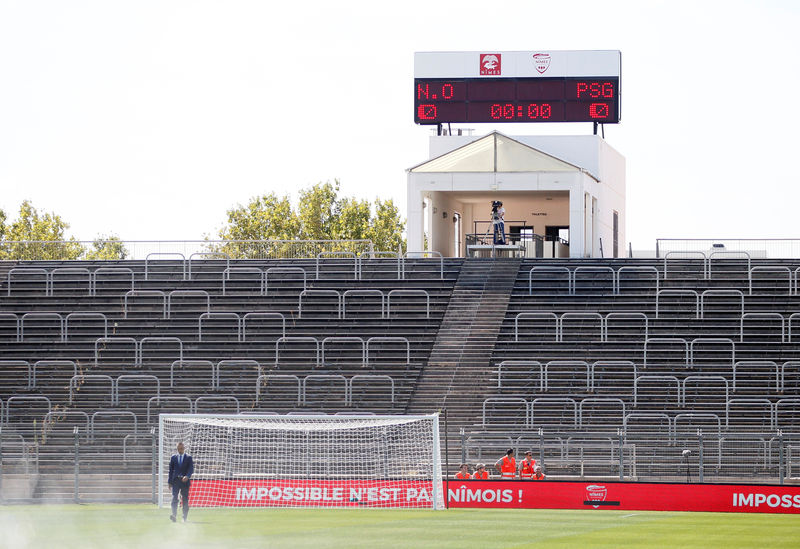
pixel 148 119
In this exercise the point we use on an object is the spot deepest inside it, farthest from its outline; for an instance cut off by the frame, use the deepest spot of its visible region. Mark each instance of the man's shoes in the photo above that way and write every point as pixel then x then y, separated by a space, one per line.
pixel 172 518
pixel 184 519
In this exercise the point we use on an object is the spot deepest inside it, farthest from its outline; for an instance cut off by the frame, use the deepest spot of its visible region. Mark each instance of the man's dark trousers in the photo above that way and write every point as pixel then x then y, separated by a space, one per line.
pixel 182 488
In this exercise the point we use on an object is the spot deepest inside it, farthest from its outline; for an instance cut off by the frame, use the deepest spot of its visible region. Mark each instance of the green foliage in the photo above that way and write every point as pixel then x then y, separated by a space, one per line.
pixel 107 247
pixel 320 215
pixel 35 235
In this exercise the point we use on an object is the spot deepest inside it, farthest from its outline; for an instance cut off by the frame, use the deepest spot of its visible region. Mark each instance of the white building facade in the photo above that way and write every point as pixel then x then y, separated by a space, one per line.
pixel 569 189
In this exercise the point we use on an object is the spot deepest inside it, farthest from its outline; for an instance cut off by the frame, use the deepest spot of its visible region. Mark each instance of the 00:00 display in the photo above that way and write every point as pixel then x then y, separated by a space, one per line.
pixel 534 111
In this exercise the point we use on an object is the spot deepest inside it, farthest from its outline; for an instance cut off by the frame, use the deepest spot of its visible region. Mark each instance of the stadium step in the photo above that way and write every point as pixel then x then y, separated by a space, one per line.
pixel 459 367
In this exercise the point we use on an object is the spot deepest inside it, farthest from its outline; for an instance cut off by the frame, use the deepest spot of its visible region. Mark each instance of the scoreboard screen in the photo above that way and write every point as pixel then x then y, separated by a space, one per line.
pixel 477 100
pixel 477 87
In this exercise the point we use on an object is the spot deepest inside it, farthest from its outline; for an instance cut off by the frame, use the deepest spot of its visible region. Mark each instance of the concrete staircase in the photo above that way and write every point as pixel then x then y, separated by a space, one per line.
pixel 459 370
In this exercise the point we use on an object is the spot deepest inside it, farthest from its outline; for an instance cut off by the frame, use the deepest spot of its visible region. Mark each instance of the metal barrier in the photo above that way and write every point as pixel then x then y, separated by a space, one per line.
pixel 700 340
pixel 624 315
pixel 579 315
pixel 254 315
pixel 325 377
pixel 83 378
pixel 550 269
pixel 769 268
pixel 219 316
pixel 285 377
pixel 109 271
pixel 216 399
pixel 378 255
pixel 505 400
pixel 159 339
pixel 422 255
pixel 703 378
pixel 611 363
pixel 28 270
pixel 247 363
pixel 174 255
pixel 144 293
pixel 85 316
pixel 107 340
pixel 535 315
pixel 39 364
pixel 183 363
pixel 363 292
pixel 520 363
pixel 16 321
pixel 111 413
pixel 387 339
pixel 370 378
pixel 659 379
pixel 598 269
pixel 226 276
pixel 42 316
pixel 645 269
pixel 347 255
pixel 556 363
pixel 320 293
pixel 684 255
pixel 708 293
pixel 773 316
pixel 714 254
pixel 287 270
pixel 666 340
pixel 408 293
pixel 71 270
pixel 211 255
pixel 135 377
pixel 297 339
pixel 771 364
pixel 187 293
pixel 679 293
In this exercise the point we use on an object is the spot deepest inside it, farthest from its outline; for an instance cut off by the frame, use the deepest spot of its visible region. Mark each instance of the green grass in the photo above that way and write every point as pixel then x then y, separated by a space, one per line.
pixel 129 526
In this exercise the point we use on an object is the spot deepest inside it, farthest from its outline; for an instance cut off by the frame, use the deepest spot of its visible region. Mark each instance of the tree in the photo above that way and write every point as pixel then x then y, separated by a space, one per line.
pixel 107 247
pixel 320 215
pixel 38 236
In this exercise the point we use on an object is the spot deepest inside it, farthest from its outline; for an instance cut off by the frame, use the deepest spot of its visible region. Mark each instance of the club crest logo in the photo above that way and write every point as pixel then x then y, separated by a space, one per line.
pixel 595 492
pixel 541 61
pixel 490 64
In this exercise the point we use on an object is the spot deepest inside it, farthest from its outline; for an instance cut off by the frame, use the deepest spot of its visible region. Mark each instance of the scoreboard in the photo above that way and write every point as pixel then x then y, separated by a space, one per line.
pixel 563 86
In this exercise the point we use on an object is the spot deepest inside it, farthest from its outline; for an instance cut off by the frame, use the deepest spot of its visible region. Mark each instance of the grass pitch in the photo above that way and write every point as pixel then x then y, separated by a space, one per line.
pixel 135 526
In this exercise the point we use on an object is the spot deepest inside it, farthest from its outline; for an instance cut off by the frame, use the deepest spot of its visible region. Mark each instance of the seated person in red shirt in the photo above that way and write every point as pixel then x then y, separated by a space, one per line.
pixel 480 472
pixel 463 472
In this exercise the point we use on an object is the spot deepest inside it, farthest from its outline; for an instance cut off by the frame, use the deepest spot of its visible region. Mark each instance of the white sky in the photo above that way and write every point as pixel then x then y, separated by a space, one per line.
pixel 150 118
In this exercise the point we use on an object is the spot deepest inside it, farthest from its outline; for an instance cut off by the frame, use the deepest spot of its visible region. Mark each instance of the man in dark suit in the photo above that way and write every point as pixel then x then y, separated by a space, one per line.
pixel 181 469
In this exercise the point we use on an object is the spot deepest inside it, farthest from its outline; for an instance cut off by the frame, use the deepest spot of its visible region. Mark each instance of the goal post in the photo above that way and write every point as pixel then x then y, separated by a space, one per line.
pixel 251 460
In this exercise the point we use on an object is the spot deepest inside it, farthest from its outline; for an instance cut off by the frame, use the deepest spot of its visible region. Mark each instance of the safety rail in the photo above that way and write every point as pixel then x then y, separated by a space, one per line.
pixel 762 402
pixel 70 270
pixel 347 255
pixel 115 339
pixel 646 416
pixel 772 316
pixel 325 377
pixel 372 377
pixel 187 293
pixel 28 270
pixel 363 292
pixel 691 255
pixel 194 363
pixel 423 255
pixel 135 377
pixel 679 292
pixel 17 323
pixel 367 255
pixel 242 362
pixel 770 364
pixel 721 292
pixel 505 400
pixel 622 315
pixel 706 340
pixel 209 255
pixel 174 255
pixel 219 316
pixel 553 400
pixel 771 269
pixel 297 339
pixel 111 413
pixel 320 293
pixel 666 341
pixel 789 364
pixel 215 399
pixel 85 315
pixel 39 364
pixel 641 269
pixel 408 292
pixel 159 339
pixel 226 276
pixel 110 271
pixel 42 317
pixel 264 315
pixel 387 339
pixel 522 364
pixel 549 269
pixel 611 363
pixel 144 293
pixel 127 460
pixel 284 270
pixel 599 400
pixel 184 400
pixel 54 418
pixel 567 363
pixel 705 379
pixel 26 398
pixel 738 255
pixel 789 324
pixel 284 377
pixel 580 316
pixel 84 378
pixel 661 379
pixel 593 269
pixel 531 315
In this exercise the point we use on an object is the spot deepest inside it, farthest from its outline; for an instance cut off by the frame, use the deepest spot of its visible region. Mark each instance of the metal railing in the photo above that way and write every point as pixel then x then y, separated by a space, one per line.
pixel 777 248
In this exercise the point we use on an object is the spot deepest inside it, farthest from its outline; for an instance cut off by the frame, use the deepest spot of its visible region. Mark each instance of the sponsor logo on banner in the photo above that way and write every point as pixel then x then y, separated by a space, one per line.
pixel 595 492
pixel 541 61
pixel 490 64
pixel 752 499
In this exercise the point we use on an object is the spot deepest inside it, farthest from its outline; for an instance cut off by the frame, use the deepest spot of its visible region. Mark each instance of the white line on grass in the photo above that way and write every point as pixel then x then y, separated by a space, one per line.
pixel 631 515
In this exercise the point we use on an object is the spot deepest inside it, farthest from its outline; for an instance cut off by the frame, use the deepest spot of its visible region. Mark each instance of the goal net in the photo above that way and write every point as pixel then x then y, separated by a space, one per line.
pixel 306 460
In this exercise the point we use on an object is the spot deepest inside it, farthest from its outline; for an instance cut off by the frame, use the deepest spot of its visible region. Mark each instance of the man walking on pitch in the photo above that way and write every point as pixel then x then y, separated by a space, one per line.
pixel 181 469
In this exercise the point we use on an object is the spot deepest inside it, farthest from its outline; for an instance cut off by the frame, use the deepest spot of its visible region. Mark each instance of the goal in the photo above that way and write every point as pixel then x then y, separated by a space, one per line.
pixel 306 460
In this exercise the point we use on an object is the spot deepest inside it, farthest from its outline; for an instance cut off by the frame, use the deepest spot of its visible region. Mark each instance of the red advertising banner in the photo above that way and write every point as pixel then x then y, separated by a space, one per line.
pixel 310 493
pixel 638 496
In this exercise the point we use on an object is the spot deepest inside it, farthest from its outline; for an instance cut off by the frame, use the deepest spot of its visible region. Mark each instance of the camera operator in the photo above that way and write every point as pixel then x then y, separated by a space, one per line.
pixel 499 222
